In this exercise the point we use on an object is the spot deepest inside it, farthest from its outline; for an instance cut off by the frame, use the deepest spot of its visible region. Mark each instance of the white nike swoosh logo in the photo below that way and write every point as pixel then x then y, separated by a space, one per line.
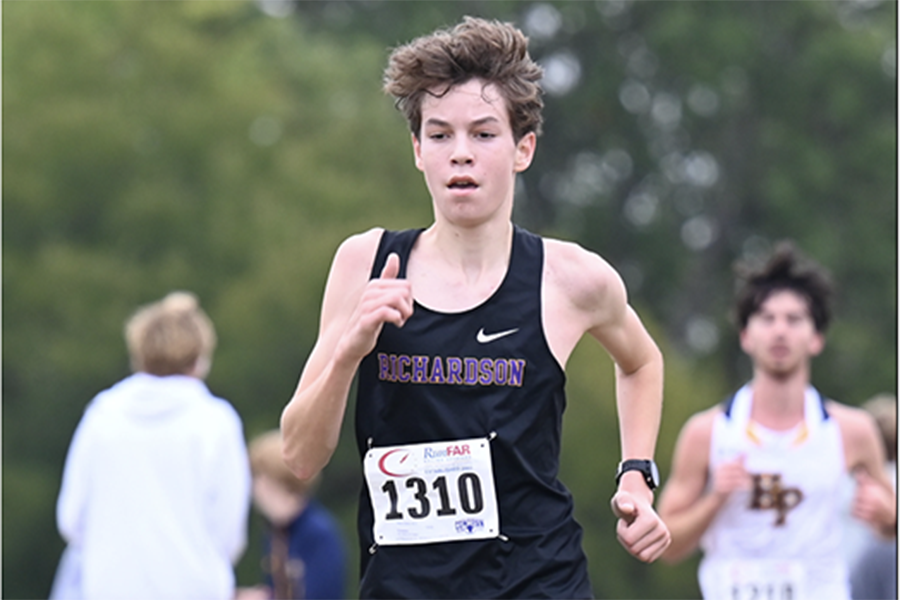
pixel 485 338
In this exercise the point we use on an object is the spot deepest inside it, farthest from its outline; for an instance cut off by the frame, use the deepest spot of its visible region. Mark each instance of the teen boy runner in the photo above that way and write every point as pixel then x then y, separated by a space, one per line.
pixel 460 333
pixel 756 482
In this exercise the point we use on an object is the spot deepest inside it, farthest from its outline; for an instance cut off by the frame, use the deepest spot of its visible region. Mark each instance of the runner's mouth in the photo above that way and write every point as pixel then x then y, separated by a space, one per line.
pixel 462 184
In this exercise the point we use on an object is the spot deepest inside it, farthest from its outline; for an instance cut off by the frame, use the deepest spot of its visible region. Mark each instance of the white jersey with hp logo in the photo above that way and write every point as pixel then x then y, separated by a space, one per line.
pixel 780 540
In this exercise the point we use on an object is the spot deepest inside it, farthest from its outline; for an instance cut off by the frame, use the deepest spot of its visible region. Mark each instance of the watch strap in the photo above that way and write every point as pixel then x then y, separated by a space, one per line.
pixel 645 466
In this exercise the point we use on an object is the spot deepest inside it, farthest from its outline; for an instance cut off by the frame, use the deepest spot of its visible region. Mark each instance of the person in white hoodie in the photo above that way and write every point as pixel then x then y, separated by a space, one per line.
pixel 155 493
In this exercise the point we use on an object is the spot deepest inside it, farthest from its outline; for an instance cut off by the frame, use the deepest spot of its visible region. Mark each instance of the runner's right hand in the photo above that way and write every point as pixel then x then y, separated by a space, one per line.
pixel 386 299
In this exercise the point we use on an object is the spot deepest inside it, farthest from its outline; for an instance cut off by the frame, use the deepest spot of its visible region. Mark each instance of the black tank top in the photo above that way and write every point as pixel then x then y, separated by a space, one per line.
pixel 449 376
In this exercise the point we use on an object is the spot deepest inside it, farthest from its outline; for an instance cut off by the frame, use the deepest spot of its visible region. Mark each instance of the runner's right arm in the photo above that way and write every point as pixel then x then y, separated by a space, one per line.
pixel 354 309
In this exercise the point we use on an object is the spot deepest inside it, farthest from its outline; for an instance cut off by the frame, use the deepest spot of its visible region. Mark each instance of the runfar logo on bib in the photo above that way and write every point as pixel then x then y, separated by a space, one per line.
pixel 397 463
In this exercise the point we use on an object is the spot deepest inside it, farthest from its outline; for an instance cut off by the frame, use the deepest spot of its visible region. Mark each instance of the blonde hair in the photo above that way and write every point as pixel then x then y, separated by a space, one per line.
pixel 170 336
pixel 266 459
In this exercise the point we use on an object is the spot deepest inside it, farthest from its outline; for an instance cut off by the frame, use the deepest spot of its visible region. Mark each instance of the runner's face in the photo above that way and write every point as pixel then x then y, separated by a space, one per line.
pixel 781 336
pixel 468 155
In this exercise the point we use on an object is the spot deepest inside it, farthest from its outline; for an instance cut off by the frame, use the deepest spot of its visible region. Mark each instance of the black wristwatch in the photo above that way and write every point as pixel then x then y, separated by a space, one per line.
pixel 646 467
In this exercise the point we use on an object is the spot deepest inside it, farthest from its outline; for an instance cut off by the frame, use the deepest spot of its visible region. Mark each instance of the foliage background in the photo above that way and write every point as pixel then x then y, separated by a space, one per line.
pixel 228 148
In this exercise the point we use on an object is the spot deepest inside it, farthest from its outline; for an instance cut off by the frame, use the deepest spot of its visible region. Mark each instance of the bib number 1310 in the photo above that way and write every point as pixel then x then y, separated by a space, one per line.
pixel 471 498
pixel 434 492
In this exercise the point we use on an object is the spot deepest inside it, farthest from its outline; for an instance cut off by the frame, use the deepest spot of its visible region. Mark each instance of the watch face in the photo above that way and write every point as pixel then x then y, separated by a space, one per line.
pixel 646 467
pixel 654 473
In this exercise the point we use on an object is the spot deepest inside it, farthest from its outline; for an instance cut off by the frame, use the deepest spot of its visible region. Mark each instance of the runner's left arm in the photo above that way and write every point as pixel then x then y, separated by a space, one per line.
pixel 639 393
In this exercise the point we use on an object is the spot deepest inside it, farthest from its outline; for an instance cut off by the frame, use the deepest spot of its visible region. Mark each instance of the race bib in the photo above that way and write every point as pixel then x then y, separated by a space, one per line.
pixel 434 492
pixel 757 580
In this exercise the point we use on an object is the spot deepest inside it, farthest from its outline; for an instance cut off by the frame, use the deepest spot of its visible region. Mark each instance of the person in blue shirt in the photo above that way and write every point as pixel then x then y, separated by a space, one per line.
pixel 304 554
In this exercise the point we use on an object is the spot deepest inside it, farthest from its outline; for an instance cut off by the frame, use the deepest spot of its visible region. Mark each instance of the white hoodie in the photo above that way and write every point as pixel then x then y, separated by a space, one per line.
pixel 156 490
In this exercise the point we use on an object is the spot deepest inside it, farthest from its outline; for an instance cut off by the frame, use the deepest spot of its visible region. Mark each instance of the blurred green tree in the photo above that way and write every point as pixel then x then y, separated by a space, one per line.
pixel 216 147
pixel 683 136
pixel 157 146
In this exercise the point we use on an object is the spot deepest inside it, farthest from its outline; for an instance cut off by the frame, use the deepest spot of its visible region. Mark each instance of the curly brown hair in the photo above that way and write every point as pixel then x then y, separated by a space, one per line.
pixel 494 52
pixel 786 269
